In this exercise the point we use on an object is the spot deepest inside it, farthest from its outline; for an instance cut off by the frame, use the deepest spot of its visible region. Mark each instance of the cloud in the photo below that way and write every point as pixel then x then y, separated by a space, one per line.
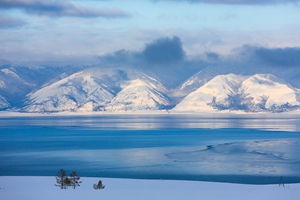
pixel 54 8
pixel 275 57
pixel 10 22
pixel 242 2
pixel 279 56
pixel 163 50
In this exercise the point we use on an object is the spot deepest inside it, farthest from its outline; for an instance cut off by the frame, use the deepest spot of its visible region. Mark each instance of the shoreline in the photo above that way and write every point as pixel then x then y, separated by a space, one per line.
pixel 4 114
pixel 240 179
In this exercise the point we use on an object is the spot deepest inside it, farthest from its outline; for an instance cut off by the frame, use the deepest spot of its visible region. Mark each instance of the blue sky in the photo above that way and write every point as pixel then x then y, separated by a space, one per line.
pixel 36 31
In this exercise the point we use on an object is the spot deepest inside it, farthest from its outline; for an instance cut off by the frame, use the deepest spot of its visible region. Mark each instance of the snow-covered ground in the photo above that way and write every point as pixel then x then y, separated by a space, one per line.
pixel 37 188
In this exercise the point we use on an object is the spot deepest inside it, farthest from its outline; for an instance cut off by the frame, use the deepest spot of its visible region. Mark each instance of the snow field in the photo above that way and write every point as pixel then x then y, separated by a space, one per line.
pixel 37 188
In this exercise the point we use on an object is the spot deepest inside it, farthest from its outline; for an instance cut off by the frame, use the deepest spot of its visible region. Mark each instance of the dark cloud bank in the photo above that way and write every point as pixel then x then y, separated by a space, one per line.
pixel 169 51
pixel 162 51
pixel 54 8
pixel 276 57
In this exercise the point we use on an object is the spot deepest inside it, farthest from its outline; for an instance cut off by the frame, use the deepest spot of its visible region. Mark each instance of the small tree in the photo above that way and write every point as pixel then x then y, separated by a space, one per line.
pixel 62 180
pixel 99 185
pixel 74 180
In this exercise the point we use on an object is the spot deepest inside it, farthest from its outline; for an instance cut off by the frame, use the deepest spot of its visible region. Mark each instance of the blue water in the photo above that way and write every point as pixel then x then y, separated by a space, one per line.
pixel 226 149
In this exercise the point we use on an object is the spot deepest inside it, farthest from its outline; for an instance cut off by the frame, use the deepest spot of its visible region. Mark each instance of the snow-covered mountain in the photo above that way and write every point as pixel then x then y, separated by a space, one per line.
pixel 192 84
pixel 260 92
pixel 3 103
pixel 138 95
pixel 98 90
pixel 17 81
pixel 214 91
pixel 81 91
pixel 123 88
pixel 267 92
pixel 12 88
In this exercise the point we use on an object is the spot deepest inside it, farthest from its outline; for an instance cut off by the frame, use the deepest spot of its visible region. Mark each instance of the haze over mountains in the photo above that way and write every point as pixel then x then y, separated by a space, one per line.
pixel 159 77
pixel 119 88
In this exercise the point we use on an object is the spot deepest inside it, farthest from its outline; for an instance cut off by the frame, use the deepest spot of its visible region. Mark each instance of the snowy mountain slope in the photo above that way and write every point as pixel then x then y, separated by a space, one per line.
pixel 171 76
pixel 3 103
pixel 69 94
pixel 200 78
pixel 261 92
pixel 214 91
pixel 16 81
pixel 192 84
pixel 96 89
pixel 138 95
pixel 13 87
pixel 150 81
pixel 269 92
pixel 9 73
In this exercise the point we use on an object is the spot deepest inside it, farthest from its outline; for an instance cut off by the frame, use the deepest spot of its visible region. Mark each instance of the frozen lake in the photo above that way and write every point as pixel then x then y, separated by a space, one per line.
pixel 227 148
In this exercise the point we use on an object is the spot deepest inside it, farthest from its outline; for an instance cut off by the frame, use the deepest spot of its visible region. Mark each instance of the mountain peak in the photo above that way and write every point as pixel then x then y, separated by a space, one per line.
pixel 260 92
pixel 138 95
pixel 69 94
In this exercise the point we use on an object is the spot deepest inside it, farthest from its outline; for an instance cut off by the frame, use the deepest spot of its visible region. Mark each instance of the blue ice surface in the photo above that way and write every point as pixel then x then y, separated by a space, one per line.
pixel 187 148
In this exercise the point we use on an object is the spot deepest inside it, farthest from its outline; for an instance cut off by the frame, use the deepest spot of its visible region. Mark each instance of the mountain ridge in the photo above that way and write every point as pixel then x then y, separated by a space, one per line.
pixel 115 89
pixel 257 93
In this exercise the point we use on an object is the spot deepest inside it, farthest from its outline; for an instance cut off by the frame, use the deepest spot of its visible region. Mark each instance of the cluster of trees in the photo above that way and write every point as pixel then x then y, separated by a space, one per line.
pixel 73 180
pixel 63 181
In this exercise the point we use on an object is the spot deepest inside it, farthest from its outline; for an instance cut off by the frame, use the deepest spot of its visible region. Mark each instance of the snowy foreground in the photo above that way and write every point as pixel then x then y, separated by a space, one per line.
pixel 37 188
